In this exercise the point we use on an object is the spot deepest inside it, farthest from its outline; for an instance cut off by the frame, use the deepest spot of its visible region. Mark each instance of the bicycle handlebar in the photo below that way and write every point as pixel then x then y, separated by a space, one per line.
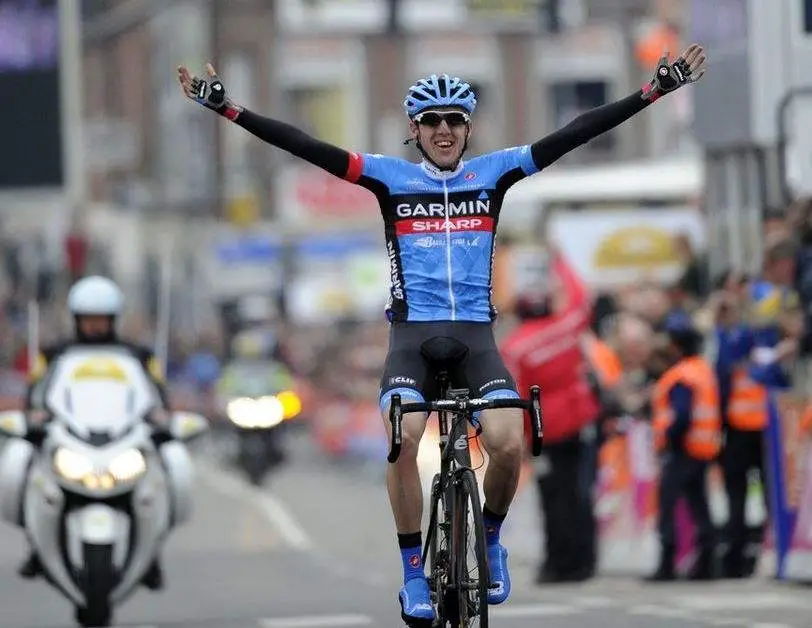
pixel 398 409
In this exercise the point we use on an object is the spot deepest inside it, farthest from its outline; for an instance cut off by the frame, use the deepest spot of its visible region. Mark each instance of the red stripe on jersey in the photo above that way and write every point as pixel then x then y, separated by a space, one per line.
pixel 440 225
pixel 355 168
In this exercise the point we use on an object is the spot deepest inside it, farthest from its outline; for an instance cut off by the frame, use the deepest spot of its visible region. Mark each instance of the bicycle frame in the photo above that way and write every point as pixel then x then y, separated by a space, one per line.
pixel 455 455
pixel 454 433
pixel 455 409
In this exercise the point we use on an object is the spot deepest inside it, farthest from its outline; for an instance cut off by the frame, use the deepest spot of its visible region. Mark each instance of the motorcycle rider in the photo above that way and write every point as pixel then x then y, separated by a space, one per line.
pixel 95 303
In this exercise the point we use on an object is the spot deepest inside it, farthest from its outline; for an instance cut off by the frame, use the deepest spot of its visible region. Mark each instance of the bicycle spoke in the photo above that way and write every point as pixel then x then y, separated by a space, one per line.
pixel 439 559
pixel 468 540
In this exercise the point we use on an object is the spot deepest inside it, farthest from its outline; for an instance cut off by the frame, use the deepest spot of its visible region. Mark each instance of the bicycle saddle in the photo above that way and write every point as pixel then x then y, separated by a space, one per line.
pixel 443 351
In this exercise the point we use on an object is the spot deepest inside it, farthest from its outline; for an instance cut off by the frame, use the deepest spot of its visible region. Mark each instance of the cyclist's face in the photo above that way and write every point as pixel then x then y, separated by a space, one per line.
pixel 442 132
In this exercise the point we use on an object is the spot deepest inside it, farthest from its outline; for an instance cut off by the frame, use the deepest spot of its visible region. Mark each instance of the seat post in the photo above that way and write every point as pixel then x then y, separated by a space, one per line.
pixel 442 383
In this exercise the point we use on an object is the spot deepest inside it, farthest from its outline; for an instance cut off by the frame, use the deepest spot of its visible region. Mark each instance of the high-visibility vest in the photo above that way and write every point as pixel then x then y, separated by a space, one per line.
pixel 604 360
pixel 704 436
pixel 747 406
pixel 806 420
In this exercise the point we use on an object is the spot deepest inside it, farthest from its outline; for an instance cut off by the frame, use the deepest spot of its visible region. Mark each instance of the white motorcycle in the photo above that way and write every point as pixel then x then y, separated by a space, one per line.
pixel 94 489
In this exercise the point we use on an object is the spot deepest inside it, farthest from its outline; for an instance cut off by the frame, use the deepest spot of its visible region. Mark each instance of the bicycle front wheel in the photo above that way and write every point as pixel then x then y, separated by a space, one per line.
pixel 469 551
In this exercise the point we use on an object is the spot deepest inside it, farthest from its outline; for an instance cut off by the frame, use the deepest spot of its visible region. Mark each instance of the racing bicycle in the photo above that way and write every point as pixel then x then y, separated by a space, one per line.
pixel 459 589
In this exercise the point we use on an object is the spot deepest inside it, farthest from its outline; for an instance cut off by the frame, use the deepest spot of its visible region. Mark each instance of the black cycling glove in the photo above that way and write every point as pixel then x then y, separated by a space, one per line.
pixel 210 93
pixel 669 77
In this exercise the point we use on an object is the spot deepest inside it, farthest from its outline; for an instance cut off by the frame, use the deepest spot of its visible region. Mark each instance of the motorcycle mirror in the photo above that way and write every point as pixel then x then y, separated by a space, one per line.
pixel 187 426
pixel 13 423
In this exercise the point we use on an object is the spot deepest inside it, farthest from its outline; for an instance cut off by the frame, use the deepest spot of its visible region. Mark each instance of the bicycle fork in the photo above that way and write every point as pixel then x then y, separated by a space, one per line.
pixel 445 581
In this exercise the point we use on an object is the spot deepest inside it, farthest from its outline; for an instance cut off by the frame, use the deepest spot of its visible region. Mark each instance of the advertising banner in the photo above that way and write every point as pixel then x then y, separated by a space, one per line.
pixel 627 505
pixel 619 247
pixel 789 473
pixel 339 275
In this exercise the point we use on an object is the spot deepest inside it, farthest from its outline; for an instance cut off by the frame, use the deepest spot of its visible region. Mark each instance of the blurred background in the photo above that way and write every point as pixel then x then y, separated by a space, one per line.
pixel 108 169
pixel 113 172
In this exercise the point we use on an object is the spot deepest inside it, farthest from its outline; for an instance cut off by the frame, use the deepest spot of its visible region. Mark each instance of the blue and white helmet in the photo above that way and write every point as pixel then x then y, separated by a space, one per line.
pixel 439 91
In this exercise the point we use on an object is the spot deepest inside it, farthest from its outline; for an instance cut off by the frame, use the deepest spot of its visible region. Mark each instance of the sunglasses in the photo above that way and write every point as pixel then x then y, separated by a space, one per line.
pixel 434 119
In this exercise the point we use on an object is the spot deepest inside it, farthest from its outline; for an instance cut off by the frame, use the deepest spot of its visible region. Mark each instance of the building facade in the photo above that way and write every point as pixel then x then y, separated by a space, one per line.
pixel 339 69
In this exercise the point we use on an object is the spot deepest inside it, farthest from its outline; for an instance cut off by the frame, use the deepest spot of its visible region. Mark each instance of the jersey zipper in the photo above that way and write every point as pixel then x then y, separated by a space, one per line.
pixel 448 250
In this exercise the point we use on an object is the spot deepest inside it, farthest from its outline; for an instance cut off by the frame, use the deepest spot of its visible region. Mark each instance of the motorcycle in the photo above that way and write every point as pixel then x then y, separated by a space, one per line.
pixel 97 487
pixel 260 422
pixel 259 406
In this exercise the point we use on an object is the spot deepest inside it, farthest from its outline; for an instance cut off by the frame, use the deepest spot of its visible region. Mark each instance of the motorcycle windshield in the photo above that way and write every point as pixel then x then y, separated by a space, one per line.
pixel 255 379
pixel 100 406
pixel 99 392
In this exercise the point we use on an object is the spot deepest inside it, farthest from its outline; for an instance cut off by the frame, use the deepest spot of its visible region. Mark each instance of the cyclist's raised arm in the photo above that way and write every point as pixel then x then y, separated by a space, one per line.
pixel 331 158
pixel 669 76
pixel 585 127
pixel 211 94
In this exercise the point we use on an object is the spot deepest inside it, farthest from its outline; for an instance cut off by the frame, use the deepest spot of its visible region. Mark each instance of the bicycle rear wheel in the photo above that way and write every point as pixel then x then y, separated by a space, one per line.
pixel 469 553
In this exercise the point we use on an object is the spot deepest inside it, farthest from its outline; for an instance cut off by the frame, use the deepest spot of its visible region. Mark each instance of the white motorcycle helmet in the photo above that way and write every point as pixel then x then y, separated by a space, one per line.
pixel 95 296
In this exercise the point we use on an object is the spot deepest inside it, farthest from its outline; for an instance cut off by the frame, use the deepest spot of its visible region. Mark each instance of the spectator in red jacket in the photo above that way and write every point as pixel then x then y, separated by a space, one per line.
pixel 546 350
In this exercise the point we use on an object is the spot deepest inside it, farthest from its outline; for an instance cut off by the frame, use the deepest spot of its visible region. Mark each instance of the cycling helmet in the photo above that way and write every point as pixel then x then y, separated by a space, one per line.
pixel 439 91
pixel 95 296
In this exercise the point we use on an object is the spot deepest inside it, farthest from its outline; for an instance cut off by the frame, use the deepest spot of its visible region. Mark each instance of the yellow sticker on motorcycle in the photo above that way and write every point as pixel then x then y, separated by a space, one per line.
pixel 100 368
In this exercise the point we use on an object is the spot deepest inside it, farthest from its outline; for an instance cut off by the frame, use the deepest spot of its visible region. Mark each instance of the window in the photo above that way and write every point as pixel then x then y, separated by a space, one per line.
pixel 94 8
pixel 571 99
pixel 807 16
pixel 321 112
pixel 720 23
pixel 561 15
pixel 29 82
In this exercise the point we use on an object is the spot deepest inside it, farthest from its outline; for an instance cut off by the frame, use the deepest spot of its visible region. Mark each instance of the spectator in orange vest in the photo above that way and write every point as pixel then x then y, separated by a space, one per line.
pixel 687 436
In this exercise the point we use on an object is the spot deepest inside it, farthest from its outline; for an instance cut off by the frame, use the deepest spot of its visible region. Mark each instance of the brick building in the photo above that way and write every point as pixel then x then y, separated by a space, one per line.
pixel 339 68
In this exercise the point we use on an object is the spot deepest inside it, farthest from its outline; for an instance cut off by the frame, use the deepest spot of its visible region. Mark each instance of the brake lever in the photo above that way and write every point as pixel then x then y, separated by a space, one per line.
pixel 538 426
pixel 396 419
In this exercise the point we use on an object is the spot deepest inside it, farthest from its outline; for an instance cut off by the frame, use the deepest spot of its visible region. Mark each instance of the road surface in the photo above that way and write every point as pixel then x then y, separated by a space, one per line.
pixel 315 548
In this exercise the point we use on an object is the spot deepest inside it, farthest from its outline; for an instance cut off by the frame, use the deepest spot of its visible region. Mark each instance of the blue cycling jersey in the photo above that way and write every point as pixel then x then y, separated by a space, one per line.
pixel 440 229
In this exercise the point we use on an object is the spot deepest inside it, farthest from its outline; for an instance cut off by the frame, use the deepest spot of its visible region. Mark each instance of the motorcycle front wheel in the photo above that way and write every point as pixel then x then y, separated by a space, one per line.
pixel 97 580
pixel 254 456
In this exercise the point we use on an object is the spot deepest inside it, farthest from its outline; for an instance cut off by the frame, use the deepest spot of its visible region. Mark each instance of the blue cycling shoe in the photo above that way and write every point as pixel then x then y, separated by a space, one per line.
pixel 499 589
pixel 415 603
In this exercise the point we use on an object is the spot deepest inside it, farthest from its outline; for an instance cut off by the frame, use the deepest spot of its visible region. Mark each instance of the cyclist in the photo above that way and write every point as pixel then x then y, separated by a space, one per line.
pixel 440 217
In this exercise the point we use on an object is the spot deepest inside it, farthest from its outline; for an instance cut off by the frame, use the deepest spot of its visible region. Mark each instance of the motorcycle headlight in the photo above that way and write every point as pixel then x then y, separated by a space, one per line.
pixel 72 465
pixel 128 466
pixel 264 412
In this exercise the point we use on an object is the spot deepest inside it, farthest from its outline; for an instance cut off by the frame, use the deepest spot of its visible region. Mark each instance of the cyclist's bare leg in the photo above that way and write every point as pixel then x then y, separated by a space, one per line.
pixel 406 498
pixel 503 439
pixel 403 477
